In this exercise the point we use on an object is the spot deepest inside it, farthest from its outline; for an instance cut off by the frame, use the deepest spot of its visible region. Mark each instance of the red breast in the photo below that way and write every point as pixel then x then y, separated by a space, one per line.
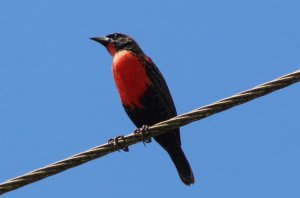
pixel 130 78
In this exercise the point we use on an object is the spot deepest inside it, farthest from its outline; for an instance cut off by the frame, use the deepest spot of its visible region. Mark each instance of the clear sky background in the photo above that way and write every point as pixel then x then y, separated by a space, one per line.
pixel 57 96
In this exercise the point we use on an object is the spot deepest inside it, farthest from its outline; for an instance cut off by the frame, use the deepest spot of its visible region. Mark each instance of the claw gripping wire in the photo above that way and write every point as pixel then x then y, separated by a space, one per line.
pixel 144 133
pixel 116 142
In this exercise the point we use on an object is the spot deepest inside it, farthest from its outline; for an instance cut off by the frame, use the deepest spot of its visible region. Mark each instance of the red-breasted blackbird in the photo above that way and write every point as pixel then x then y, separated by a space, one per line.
pixel 145 95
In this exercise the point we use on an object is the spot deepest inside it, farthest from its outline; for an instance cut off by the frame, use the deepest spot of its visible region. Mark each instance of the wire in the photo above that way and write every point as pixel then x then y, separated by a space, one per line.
pixel 151 131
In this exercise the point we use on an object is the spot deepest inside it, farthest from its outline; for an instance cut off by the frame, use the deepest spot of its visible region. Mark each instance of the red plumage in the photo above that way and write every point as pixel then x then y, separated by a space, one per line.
pixel 130 78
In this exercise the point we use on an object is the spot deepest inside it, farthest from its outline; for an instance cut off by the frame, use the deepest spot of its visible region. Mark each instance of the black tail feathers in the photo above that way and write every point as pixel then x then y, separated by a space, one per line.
pixel 182 165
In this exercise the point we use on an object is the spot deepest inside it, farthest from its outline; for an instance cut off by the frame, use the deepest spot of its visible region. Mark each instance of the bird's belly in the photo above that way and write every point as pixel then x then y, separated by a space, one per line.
pixel 130 78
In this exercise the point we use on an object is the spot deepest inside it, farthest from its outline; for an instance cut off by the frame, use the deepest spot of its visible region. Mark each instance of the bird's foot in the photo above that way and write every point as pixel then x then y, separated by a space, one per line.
pixel 144 133
pixel 115 142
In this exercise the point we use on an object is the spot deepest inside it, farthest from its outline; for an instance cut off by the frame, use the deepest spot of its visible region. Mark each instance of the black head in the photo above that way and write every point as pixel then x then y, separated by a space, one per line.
pixel 116 42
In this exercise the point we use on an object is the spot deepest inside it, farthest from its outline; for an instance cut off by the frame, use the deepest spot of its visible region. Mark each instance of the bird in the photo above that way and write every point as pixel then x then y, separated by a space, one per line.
pixel 145 95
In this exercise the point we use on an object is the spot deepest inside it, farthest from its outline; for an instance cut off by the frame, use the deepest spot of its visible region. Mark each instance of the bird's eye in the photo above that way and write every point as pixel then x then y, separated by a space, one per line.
pixel 115 36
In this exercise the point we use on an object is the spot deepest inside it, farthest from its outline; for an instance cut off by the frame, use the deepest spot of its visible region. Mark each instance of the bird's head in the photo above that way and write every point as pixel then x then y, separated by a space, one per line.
pixel 117 42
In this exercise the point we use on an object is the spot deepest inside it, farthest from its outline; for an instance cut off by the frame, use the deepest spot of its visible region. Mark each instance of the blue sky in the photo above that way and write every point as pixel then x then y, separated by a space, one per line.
pixel 58 97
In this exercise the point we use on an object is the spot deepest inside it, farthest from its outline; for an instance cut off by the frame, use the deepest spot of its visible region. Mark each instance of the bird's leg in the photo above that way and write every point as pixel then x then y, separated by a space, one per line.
pixel 115 142
pixel 144 133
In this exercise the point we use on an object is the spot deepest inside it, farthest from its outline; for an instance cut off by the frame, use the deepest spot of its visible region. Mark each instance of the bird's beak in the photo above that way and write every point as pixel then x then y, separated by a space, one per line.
pixel 103 40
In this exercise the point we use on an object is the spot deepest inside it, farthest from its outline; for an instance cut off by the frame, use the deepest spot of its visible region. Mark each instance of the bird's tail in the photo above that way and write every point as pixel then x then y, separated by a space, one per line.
pixel 182 164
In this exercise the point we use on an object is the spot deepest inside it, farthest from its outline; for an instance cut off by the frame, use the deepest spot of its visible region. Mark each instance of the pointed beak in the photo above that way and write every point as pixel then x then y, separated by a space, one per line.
pixel 103 40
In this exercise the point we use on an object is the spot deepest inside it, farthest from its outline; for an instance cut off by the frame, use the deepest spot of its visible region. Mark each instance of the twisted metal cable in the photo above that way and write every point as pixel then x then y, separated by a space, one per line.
pixel 152 131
